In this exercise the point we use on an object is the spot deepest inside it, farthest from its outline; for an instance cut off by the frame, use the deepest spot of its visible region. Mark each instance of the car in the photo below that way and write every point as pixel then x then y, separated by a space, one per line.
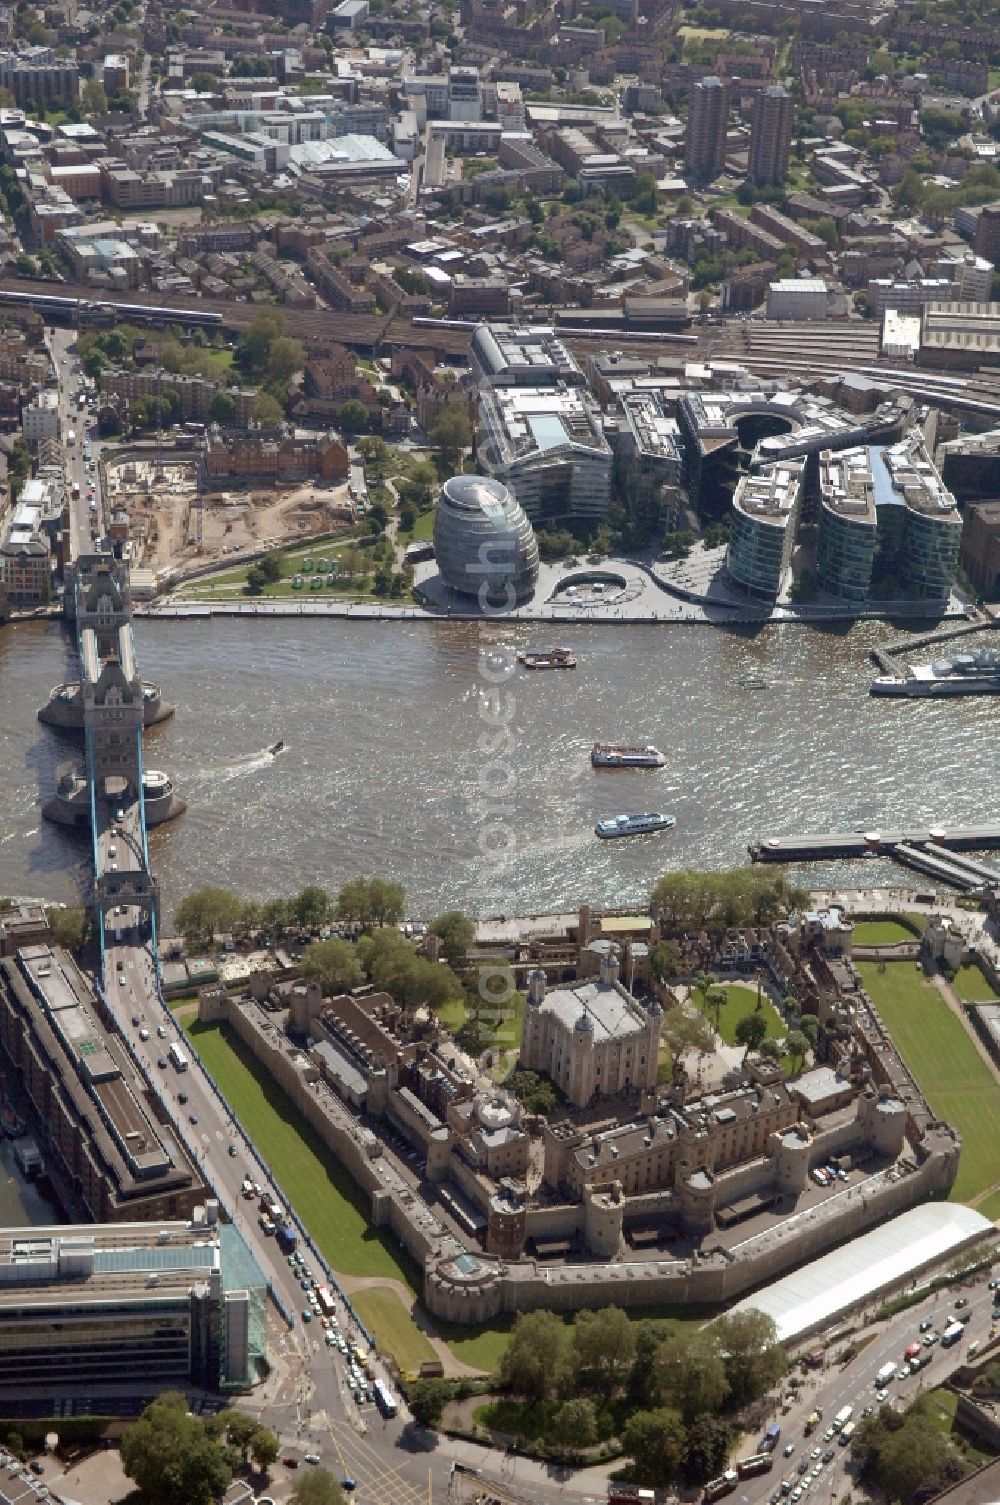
pixel 161 1062
pixel 232 1152
pixel 192 1118
pixel 787 1486
pixel 119 816
pixel 311 1457
pixel 911 1350
pixel 993 1285
pixel 144 1035
pixel 290 1462
pixel 36 1466
pixel 304 1284
pixel 161 1030
pixel 330 1340
pixel 348 1483
pixel 927 1324
pixel 881 1396
pixel 789 1449
pixel 802 1466
pixel 307 1315
pixel 816 1453
pixel 136 1020
pixel 962 1301
pixel 182 1097
pixel 797 1493
pixel 817 1471
pixel 903 1371
pixel 775 1498
pixel 829 1434
pixel 868 1411
pixel 930 1339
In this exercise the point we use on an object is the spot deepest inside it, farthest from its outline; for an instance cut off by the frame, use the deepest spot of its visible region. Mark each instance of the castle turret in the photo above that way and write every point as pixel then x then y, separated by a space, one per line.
pixel 609 968
pixel 604 1217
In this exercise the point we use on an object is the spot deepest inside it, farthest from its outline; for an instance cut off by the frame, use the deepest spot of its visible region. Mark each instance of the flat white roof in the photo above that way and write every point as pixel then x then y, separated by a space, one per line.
pixel 822 1291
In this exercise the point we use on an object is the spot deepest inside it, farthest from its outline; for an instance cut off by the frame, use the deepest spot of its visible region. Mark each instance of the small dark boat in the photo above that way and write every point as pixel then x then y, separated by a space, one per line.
pixel 277 748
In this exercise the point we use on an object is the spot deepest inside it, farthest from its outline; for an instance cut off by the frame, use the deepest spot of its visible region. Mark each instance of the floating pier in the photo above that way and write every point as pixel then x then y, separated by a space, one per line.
pixel 932 851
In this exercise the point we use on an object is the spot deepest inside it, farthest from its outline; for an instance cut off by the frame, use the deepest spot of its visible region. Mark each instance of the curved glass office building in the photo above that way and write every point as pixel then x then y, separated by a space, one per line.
pixel 483 538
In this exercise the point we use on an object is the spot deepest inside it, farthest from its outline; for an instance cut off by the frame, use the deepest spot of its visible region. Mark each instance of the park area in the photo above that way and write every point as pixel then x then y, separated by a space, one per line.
pixel 949 1070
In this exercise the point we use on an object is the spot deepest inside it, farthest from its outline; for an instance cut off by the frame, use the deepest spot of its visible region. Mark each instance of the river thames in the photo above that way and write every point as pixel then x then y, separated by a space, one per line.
pixel 402 760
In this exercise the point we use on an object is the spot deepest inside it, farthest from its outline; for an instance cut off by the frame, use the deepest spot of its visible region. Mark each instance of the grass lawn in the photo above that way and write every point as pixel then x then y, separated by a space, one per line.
pixel 740 1001
pixel 941 1416
pixel 384 1314
pixel 291 559
pixel 989 1207
pixel 972 987
pixel 881 933
pixel 422 530
pixel 483 1346
pixel 182 1001
pixel 488 1031
pixel 324 1196
pixel 948 1068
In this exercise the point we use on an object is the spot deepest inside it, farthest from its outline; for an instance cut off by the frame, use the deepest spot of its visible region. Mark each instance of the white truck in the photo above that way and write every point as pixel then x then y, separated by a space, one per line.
pixel 953 1333
pixel 885 1374
pixel 842 1417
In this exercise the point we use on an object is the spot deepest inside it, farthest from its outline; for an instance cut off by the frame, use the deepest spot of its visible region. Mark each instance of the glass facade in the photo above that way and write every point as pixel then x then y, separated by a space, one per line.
pixel 242 1351
pixel 845 553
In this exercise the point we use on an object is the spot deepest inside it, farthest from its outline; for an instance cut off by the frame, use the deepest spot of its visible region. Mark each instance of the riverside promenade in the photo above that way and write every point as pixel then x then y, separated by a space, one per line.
pixel 635 593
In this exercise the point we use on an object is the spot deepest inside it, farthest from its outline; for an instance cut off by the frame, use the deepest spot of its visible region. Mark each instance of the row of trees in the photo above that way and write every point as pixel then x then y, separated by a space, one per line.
pixel 666 1388
pixel 179 1459
pixel 210 911
pixel 386 958
pixel 687 901
pixel 906 1455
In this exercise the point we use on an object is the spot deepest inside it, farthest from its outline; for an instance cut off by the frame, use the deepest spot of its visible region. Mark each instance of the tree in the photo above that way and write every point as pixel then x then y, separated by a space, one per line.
pixel 239 1429
pixel 276 915
pixel 423 483
pixel 317 1487
pixel 451 434
pixel 334 965
pixel 751 1032
pixel 172 1457
pixel 604 1347
pixel 94 363
pixel 809 1026
pixel 455 931
pixel 684 1029
pixel 687 901
pixel 665 960
pixel 284 358
pixel 264 1448
pixel 93 99
pixel 706 1449
pixel 204 82
pixel 371 901
pixel 222 409
pixel 535 1092
pixel 206 912
pixel 751 1353
pixel 270 568
pixel 255 344
pixel 426 1401
pixel 574 1425
pixel 68 926
pixel 770 1050
pixel 312 906
pixel 690 1372
pixel 796 1045
pixel 655 1441
pixel 267 410
pixel 643 1388
pixel 536 1362
pixel 353 416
